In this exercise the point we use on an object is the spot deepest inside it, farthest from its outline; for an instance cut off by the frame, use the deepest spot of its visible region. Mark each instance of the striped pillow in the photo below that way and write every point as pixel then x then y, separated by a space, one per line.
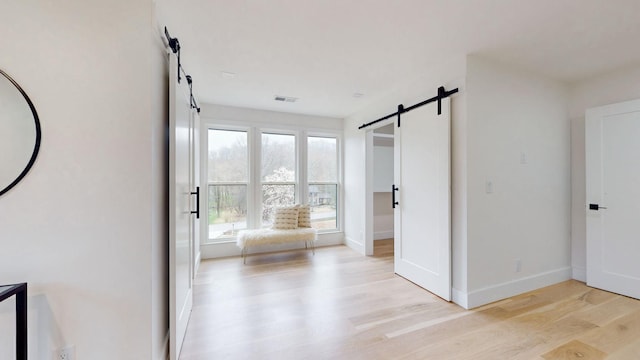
pixel 285 218
pixel 304 216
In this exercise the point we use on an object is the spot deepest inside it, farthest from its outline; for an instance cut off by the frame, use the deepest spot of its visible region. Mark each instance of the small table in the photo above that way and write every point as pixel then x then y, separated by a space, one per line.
pixel 20 291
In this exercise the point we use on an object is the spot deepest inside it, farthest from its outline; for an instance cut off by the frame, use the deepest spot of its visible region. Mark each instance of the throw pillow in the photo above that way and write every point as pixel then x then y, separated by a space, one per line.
pixel 304 216
pixel 285 218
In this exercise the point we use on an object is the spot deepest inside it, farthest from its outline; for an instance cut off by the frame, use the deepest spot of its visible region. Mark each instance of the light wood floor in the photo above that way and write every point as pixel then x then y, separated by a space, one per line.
pixel 341 305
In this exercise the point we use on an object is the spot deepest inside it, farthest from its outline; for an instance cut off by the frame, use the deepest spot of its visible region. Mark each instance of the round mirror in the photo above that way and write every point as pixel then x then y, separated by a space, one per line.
pixel 19 133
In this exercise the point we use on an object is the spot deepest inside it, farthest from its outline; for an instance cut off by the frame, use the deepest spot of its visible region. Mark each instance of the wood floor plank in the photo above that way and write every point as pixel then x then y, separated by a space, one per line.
pixel 338 304
pixel 631 351
pixel 575 350
pixel 617 334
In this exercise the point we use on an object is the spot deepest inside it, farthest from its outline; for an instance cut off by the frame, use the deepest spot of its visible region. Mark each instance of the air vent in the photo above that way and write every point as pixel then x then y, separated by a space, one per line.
pixel 228 74
pixel 285 98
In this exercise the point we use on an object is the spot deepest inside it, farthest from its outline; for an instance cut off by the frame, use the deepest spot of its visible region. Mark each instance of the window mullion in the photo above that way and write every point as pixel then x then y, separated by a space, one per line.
pixel 303 161
pixel 256 187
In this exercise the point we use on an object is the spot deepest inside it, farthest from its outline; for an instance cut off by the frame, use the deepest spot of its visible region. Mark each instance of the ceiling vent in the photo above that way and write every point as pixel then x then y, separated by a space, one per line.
pixel 285 98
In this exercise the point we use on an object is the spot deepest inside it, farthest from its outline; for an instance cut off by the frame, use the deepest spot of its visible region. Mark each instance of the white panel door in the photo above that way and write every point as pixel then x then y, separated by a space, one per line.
pixel 613 197
pixel 180 241
pixel 422 217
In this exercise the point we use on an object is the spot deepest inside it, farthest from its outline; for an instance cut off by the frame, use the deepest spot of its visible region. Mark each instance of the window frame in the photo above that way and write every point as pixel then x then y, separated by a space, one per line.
pixel 205 171
pixel 337 183
pixel 260 183
pixel 254 186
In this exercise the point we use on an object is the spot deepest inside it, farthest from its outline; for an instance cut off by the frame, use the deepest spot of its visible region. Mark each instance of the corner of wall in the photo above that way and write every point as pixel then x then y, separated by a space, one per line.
pixel 356 246
pixel 354 185
pixel 460 297
pixel 579 273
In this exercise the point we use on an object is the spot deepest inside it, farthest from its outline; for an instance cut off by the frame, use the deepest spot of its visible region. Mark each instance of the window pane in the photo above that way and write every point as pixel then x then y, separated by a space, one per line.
pixel 228 152
pixel 274 196
pixel 227 210
pixel 278 158
pixel 323 159
pixel 323 200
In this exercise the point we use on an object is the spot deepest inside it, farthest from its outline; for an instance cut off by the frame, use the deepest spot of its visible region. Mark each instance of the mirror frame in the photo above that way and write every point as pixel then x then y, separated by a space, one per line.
pixel 36 148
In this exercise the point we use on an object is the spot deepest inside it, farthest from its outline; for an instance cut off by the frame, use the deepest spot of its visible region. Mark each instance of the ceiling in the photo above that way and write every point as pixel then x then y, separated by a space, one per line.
pixel 323 52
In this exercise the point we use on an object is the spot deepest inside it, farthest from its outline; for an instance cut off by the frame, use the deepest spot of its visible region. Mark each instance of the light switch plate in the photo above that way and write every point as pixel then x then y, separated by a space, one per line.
pixel 489 186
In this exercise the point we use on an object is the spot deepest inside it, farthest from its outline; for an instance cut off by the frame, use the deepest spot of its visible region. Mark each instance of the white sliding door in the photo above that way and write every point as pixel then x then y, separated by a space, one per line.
pixel 180 230
pixel 613 197
pixel 422 243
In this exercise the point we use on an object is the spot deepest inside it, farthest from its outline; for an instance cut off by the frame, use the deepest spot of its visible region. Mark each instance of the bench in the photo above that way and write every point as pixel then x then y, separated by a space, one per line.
pixel 247 238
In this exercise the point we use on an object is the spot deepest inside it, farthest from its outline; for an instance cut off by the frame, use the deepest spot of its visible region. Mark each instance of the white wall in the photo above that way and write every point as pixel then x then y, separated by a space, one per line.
pixel 273 120
pixel 617 86
pixel 424 87
pixel 85 226
pixel 382 168
pixel 518 137
pixel 233 114
pixel 382 215
pixel 382 181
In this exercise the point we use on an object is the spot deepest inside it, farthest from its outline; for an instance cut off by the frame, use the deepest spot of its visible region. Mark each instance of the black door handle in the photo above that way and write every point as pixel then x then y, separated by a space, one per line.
pixel 393 196
pixel 197 194
pixel 596 207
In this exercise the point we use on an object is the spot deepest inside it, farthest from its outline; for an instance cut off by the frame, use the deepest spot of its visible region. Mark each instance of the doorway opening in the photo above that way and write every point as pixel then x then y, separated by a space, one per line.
pixel 380 225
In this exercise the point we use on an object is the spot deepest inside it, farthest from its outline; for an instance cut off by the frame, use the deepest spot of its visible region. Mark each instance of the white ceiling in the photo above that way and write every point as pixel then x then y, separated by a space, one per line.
pixel 324 51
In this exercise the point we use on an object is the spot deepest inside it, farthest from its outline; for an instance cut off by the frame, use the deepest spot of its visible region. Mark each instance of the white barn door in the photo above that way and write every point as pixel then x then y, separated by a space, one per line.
pixel 613 197
pixel 422 227
pixel 180 230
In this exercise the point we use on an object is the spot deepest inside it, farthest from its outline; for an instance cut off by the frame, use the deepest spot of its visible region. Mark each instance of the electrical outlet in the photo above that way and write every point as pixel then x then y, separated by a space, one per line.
pixel 65 353
pixel 518 265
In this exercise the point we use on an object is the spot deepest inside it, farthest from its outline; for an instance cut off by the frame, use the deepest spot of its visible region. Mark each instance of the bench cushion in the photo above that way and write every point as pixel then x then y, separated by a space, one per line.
pixel 247 238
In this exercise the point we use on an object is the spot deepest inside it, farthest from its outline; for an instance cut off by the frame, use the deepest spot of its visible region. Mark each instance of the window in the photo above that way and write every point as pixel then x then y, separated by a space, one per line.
pixel 322 162
pixel 228 182
pixel 278 173
pixel 251 171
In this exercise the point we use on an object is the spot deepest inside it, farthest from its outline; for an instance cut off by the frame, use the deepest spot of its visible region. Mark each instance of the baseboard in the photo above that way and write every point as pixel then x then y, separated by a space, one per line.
pixel 229 249
pixel 381 235
pixel 580 273
pixel 459 297
pixel 219 250
pixel 507 289
pixel 356 246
